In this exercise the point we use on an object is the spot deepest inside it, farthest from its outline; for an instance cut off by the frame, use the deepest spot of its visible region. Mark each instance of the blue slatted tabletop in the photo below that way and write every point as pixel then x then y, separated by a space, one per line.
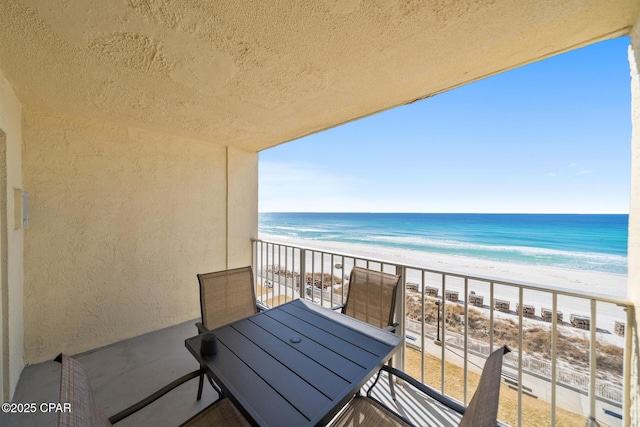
pixel 296 364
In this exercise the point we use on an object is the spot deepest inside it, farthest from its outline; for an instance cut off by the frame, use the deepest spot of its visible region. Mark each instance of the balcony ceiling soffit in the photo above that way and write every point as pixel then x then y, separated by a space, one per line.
pixel 254 74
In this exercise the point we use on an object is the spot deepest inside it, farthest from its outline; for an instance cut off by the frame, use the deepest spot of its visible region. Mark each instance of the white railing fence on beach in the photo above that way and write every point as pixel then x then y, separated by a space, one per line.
pixel 285 272
pixel 605 389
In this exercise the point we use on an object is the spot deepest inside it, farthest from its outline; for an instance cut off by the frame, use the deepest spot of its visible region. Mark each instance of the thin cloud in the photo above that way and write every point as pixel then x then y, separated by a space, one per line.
pixel 302 186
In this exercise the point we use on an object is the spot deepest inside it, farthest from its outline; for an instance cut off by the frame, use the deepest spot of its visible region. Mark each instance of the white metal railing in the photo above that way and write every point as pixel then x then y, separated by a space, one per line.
pixel 286 272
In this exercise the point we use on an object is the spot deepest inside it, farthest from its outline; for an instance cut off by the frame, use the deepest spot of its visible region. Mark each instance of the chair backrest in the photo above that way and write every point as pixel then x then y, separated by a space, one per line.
pixel 226 296
pixel 482 411
pixel 372 296
pixel 76 390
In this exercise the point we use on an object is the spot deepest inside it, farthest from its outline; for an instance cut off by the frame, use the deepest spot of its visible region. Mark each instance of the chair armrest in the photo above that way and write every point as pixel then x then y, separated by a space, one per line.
pixel 152 398
pixel 338 307
pixel 392 327
pixel 422 387
pixel 201 328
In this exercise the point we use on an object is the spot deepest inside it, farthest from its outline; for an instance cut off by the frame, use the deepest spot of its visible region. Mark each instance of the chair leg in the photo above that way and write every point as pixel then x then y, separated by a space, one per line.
pixel 215 387
pixel 200 384
pixel 391 386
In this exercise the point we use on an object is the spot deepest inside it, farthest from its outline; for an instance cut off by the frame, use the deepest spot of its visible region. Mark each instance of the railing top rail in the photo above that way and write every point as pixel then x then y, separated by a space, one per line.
pixel 496 281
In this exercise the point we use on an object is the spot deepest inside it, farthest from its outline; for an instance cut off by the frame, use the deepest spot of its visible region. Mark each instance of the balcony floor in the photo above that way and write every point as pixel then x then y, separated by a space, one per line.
pixel 121 374
pixel 127 371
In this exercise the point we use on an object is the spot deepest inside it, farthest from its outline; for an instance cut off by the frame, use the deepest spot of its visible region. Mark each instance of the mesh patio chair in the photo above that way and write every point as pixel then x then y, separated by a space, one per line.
pixel 225 296
pixel 366 411
pixel 75 389
pixel 372 298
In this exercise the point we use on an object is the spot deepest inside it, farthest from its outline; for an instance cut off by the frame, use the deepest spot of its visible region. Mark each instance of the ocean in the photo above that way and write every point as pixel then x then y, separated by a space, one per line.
pixel 581 241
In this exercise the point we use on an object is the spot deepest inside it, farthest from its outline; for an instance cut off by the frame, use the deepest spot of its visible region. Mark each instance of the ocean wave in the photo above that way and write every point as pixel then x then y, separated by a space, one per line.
pixel 521 254
pixel 455 244
pixel 294 230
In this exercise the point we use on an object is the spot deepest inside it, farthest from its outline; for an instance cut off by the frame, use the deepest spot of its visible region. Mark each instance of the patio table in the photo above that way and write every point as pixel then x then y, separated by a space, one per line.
pixel 296 364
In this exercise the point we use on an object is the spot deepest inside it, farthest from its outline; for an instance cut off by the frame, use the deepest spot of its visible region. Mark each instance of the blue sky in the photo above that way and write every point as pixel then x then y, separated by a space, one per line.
pixel 550 137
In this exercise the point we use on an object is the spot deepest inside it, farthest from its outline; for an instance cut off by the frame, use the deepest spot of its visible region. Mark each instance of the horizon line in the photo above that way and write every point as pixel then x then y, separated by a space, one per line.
pixel 451 213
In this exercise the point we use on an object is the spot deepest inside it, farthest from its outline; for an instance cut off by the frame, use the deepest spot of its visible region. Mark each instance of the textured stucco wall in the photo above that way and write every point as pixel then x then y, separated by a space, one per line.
pixel 11 283
pixel 122 219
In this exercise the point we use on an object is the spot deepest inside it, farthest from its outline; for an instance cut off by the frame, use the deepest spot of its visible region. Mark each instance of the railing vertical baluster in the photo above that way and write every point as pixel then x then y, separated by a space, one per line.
pixel 331 272
pixel 331 304
pixel 313 276
pixel 520 351
pixel 286 273
pixel 491 309
pixel 322 277
pixel 444 339
pixel 254 262
pixel 265 276
pixel 315 272
pixel 592 363
pixel 293 273
pixel 280 271
pixel 466 340
pixel 265 273
pixel 254 256
pixel 271 276
pixel 401 315
pixel 263 266
pixel 343 280
pixel 273 282
pixel 303 273
pixel 554 348
pixel 353 264
pixel 274 253
pixel 422 327
pixel 258 267
pixel 628 331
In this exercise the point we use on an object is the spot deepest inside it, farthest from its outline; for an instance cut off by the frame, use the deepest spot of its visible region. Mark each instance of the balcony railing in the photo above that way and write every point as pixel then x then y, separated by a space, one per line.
pixel 571 359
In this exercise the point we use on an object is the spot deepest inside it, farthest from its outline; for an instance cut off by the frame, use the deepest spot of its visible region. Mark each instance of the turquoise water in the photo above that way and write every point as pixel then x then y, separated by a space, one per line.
pixel 585 242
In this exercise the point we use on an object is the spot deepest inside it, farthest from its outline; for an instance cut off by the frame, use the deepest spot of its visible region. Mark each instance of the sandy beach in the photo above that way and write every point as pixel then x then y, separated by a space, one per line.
pixel 607 285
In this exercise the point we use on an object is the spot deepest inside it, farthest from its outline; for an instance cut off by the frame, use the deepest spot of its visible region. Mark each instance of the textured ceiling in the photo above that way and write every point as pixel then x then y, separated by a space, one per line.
pixel 256 73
